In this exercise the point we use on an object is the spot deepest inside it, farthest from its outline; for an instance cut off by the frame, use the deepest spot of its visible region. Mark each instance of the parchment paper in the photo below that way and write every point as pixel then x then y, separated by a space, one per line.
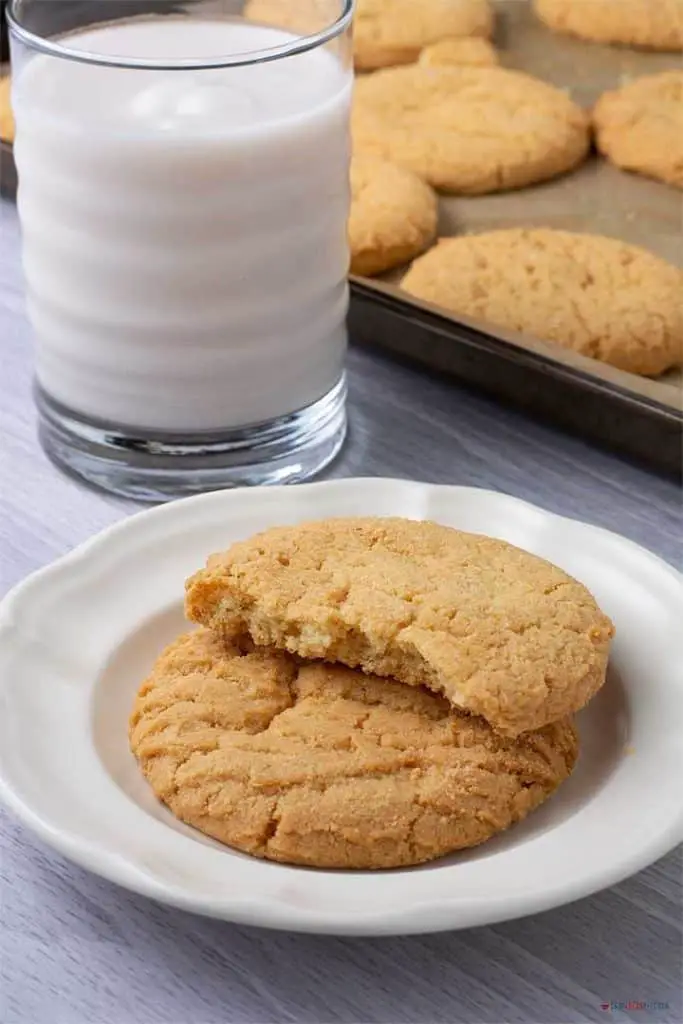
pixel 597 197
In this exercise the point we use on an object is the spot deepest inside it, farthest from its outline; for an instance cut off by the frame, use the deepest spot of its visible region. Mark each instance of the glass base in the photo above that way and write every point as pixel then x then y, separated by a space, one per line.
pixel 147 466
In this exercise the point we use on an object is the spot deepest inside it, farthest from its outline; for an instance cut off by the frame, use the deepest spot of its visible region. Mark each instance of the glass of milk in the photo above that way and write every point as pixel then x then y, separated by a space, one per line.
pixel 183 196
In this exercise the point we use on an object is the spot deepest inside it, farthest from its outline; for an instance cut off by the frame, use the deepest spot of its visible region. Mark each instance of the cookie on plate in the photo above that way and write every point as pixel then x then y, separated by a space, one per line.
pixel 464 52
pixel 597 296
pixel 468 130
pixel 640 126
pixel 499 632
pixel 651 24
pixel 6 116
pixel 393 215
pixel 324 766
pixel 390 32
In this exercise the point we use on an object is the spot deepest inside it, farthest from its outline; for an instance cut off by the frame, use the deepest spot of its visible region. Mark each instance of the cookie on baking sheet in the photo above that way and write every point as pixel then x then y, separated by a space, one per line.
pixel 390 32
pixel 6 116
pixel 323 766
pixel 300 16
pixel 651 24
pixel 640 126
pixel 468 130
pixel 385 32
pixel 598 296
pixel 464 52
pixel 499 632
pixel 393 215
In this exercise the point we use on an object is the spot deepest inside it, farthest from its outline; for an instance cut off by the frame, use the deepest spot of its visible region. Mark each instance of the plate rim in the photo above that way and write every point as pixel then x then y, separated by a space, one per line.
pixel 454 913
pixel 121 526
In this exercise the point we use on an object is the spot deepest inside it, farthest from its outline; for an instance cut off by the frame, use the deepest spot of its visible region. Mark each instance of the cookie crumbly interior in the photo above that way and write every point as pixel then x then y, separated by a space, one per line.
pixel 321 765
pixel 499 632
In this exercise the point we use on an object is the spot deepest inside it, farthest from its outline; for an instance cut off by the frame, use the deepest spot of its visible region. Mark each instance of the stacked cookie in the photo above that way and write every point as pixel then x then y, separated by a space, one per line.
pixel 369 693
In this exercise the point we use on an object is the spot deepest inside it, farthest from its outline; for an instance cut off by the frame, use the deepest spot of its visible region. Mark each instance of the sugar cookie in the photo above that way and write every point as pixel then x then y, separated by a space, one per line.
pixel 323 766
pixel 598 296
pixel 393 215
pixel 499 632
pixel 468 130
pixel 640 126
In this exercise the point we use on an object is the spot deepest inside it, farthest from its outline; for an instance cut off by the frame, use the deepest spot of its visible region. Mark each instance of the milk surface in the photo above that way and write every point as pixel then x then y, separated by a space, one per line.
pixel 185 231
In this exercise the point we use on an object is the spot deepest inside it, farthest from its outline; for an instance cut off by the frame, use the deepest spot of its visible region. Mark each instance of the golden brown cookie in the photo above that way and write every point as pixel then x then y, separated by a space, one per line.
pixel 393 215
pixel 640 126
pixel 390 32
pixel 385 32
pixel 464 52
pixel 598 296
pixel 651 24
pixel 6 116
pixel 499 632
pixel 299 16
pixel 323 766
pixel 468 130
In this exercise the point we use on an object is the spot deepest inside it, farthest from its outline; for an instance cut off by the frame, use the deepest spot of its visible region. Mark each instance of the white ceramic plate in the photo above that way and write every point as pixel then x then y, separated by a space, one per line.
pixel 77 638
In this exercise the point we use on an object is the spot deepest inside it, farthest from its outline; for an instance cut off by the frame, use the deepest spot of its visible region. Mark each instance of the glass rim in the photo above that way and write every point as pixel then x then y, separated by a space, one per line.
pixel 298 45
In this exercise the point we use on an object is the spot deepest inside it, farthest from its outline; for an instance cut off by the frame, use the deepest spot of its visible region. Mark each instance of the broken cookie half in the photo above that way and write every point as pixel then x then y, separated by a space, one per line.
pixel 499 632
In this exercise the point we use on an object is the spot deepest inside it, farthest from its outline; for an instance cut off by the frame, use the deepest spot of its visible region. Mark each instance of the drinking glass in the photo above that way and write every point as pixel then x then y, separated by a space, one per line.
pixel 183 195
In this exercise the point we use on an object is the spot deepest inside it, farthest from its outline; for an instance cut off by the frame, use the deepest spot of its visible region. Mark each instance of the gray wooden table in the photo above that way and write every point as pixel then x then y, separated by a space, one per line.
pixel 77 950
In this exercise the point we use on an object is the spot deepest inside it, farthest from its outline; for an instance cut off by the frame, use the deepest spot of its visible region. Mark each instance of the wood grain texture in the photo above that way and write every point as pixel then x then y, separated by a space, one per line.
pixel 76 950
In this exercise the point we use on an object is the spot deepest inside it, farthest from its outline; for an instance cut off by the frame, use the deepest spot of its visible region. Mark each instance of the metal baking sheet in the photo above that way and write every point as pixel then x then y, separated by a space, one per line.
pixel 597 198
pixel 8 173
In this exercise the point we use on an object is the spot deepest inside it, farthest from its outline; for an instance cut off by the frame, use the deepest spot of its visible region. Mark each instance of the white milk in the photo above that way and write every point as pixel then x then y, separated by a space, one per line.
pixel 185 232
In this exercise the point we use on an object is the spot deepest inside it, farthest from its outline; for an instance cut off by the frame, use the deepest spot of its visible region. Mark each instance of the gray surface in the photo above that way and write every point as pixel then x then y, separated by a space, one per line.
pixel 76 950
